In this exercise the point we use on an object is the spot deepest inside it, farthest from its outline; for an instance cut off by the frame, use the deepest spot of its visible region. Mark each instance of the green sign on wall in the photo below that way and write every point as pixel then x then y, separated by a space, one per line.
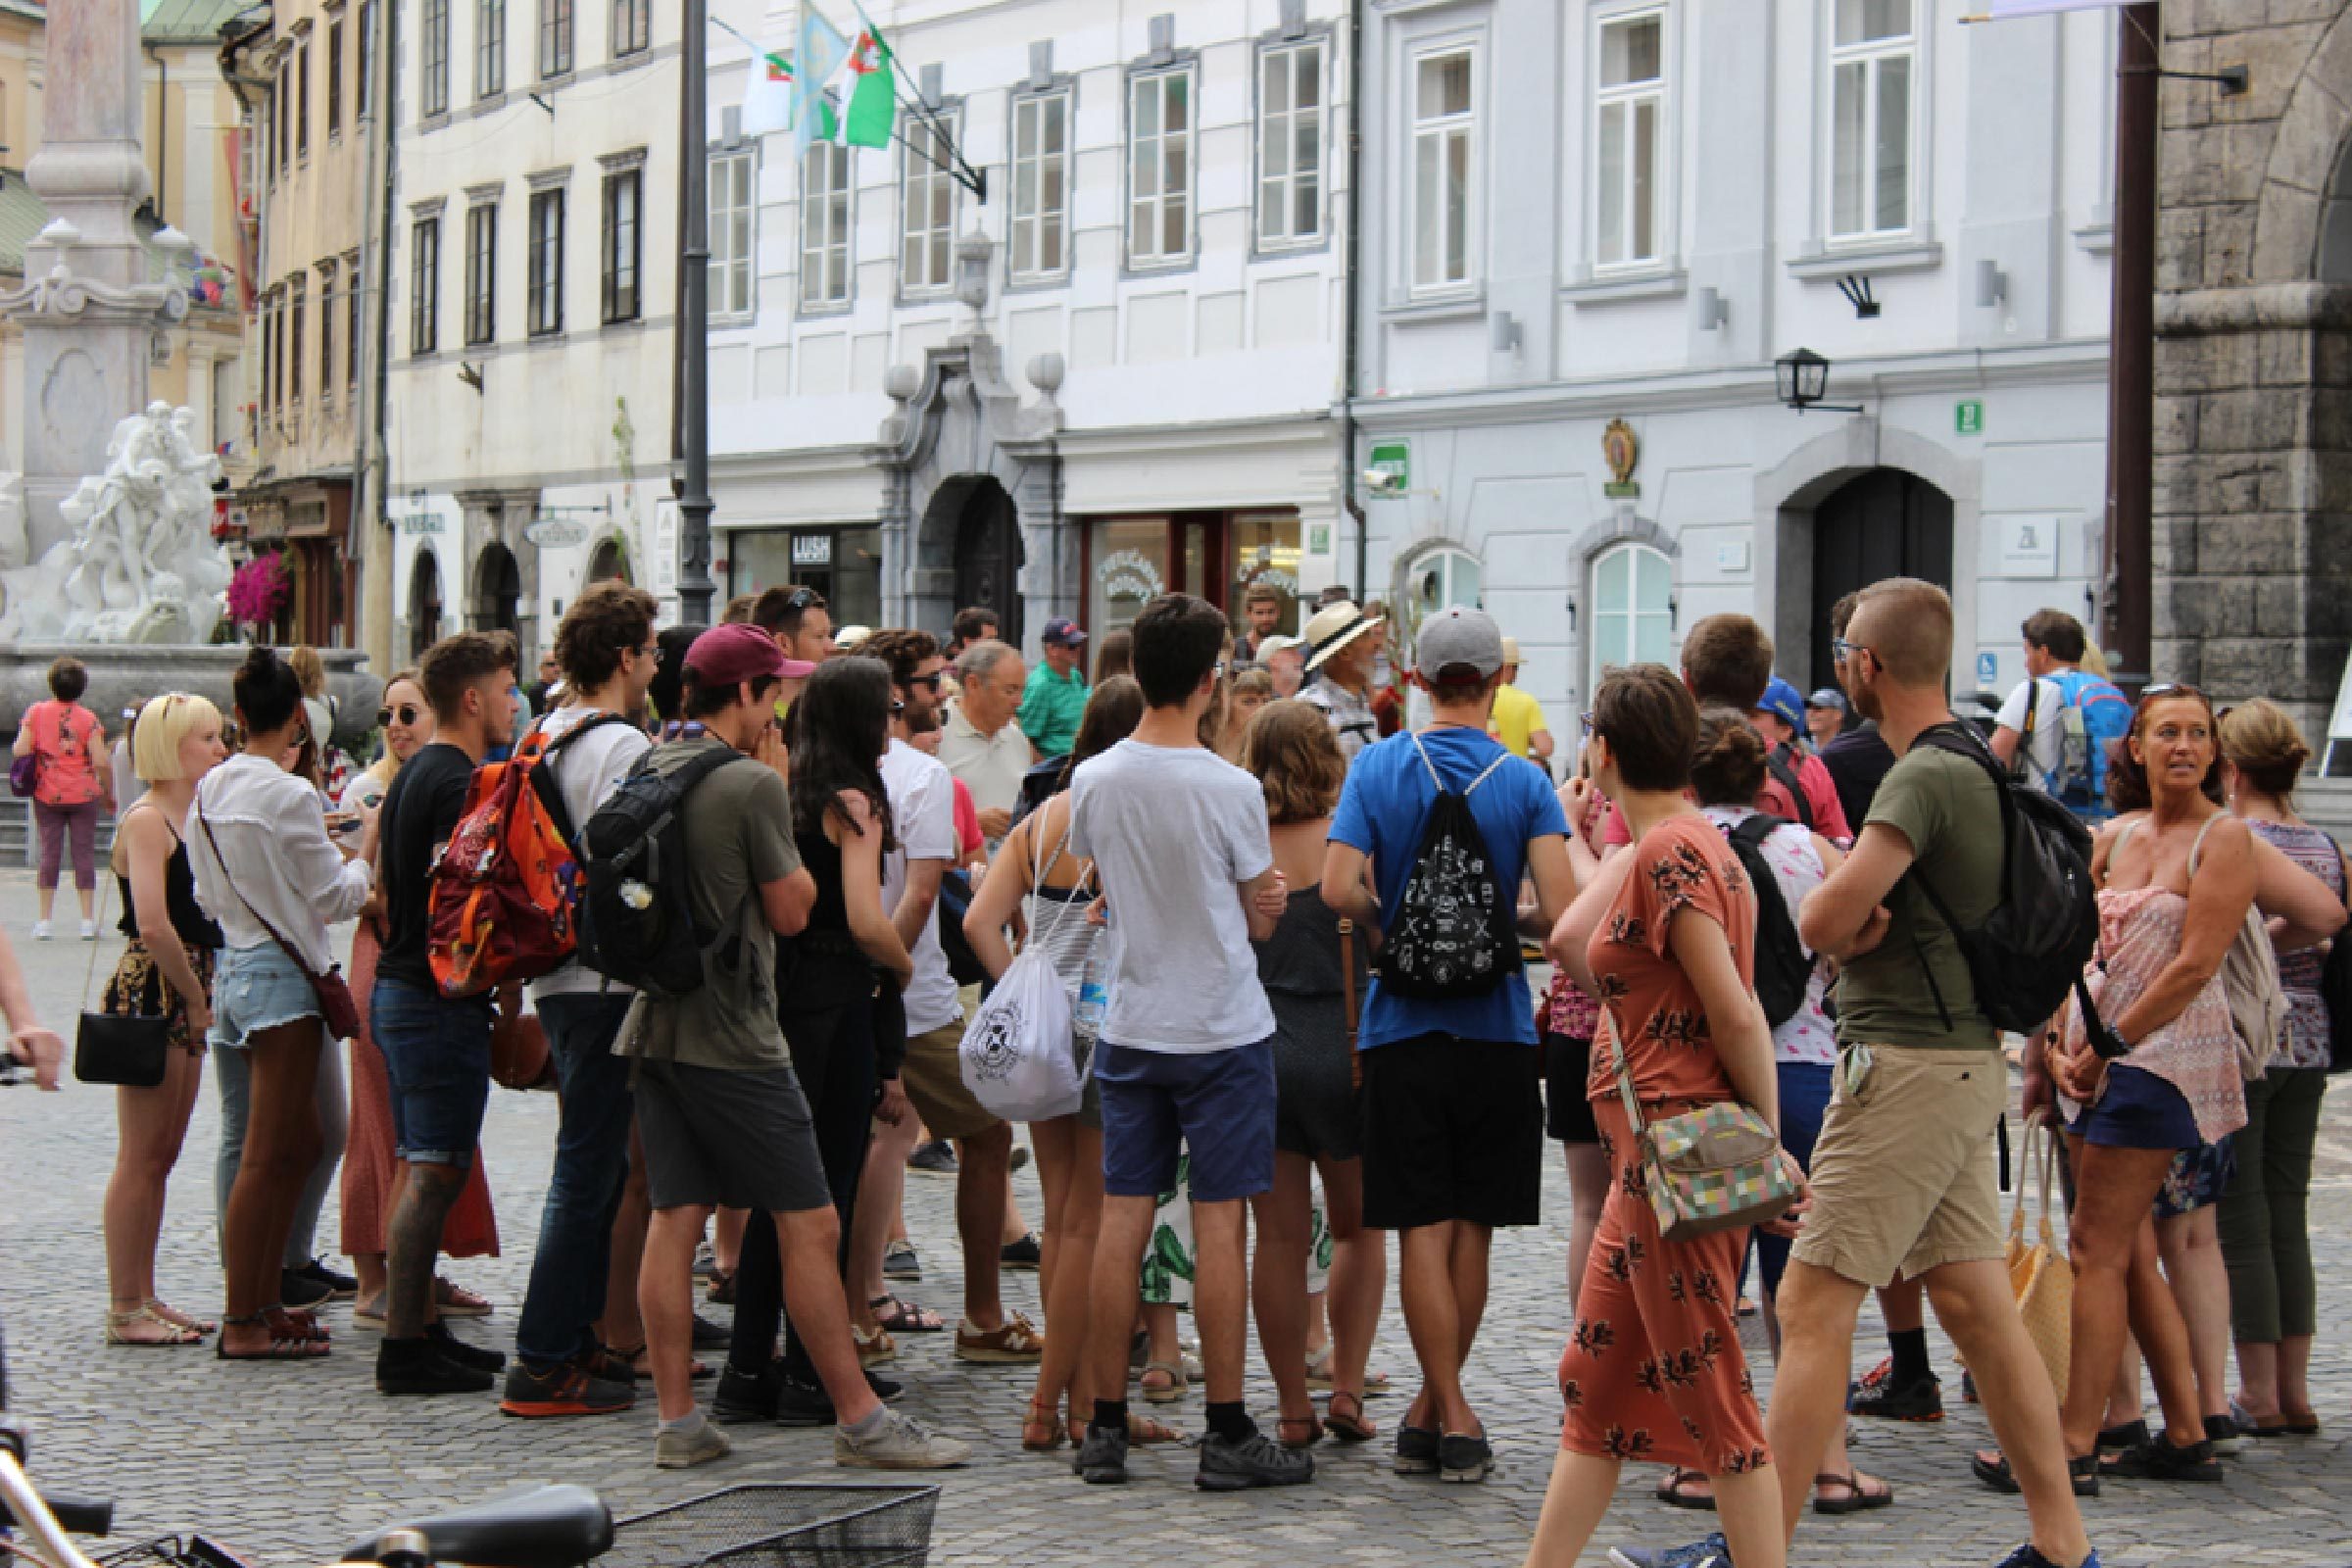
pixel 1968 417
pixel 1396 460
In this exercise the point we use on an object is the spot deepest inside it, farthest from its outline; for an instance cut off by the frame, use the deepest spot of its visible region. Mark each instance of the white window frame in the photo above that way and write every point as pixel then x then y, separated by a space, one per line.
pixel 1162 144
pixel 1871 57
pixel 828 214
pixel 489 48
pixel 1277 134
pixel 543 261
pixel 925 237
pixel 1629 98
pixel 1439 127
pixel 432 58
pixel 734 208
pixel 1601 653
pixel 1035 220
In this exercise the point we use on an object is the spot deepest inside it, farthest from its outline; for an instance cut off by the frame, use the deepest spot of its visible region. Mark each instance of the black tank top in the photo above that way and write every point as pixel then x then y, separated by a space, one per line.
pixel 822 856
pixel 195 927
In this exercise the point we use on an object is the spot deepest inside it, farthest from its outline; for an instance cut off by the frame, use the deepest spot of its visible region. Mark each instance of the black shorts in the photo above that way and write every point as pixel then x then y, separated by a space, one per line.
pixel 720 1136
pixel 1567 1113
pixel 1453 1130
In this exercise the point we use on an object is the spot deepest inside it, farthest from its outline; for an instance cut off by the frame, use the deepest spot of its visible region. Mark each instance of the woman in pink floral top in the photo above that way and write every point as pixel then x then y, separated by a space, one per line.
pixel 1565 1018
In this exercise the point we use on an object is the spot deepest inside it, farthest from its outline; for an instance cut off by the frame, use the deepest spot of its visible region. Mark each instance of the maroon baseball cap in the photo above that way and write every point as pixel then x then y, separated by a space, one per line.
pixel 730 654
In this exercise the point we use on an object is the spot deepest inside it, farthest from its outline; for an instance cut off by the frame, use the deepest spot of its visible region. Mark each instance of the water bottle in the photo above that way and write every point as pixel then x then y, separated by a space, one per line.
pixel 1094 995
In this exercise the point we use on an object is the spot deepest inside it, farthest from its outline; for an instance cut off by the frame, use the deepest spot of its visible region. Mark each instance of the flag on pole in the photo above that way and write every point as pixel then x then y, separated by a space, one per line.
pixel 873 100
pixel 2002 10
pixel 822 53
pixel 767 93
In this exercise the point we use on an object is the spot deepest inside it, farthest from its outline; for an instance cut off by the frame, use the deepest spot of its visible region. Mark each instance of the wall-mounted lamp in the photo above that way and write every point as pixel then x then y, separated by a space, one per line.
pixel 1802 378
pixel 1502 331
pixel 1713 310
pixel 1992 285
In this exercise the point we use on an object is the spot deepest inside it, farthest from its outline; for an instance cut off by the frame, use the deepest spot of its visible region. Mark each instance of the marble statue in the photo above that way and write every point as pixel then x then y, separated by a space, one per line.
pixel 141 564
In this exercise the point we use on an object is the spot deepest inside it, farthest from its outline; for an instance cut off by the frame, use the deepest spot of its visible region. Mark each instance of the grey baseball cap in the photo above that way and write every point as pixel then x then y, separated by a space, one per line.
pixel 1457 639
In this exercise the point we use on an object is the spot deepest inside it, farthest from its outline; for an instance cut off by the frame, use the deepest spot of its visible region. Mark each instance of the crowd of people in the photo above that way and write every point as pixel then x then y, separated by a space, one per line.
pixel 1292 906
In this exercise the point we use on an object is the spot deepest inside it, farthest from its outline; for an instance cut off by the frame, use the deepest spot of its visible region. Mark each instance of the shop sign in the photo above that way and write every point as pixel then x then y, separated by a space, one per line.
pixel 1274 577
pixel 556 533
pixel 2028 547
pixel 417 523
pixel 812 550
pixel 1128 574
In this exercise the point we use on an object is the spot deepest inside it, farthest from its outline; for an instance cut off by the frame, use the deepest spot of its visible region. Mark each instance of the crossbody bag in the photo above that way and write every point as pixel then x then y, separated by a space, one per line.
pixel 336 1008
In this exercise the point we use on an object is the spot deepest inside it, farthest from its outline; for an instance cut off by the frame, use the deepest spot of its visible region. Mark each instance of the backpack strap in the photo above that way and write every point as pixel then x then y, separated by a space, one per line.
pixel 1961 741
pixel 1778 762
pixel 543 775
pixel 1757 827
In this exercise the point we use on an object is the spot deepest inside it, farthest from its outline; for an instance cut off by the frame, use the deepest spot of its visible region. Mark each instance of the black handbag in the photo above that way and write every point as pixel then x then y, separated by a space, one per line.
pixel 2335 988
pixel 955 902
pixel 127 1050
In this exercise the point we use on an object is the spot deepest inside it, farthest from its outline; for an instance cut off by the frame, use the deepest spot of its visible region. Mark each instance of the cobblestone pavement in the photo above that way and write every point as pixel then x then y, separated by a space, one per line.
pixel 289 1463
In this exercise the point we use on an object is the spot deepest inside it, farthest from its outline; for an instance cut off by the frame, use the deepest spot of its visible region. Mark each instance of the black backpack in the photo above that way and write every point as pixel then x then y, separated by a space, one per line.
pixel 1784 968
pixel 2027 955
pixel 1780 761
pixel 1454 932
pixel 637 924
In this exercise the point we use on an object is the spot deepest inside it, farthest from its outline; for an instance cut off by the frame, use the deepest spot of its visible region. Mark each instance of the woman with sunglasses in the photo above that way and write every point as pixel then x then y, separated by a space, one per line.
pixel 371 1176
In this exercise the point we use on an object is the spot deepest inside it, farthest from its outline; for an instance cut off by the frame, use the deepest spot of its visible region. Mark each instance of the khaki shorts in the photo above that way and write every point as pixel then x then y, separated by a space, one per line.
pixel 933 1078
pixel 1903 1175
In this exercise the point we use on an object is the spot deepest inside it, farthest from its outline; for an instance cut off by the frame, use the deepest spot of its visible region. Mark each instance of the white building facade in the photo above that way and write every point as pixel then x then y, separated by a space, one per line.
pixel 1592 227
pixel 1119 376
pixel 534 245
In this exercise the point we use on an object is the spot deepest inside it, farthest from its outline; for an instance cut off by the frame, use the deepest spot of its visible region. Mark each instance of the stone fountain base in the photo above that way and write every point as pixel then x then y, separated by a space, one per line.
pixel 122 673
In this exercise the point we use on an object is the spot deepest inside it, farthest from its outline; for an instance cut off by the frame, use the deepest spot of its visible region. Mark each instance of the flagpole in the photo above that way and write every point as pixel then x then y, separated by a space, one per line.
pixel 695 588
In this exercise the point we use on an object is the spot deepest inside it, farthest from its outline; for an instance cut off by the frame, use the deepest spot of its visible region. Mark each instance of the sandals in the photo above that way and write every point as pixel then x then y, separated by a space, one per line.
pixel 1859 1495
pixel 1167 1393
pixel 1045 1416
pixel 286 1342
pixel 172 1314
pixel 145 1312
pixel 1319 1378
pixel 2286 1425
pixel 1676 1489
pixel 293 1322
pixel 2165 1460
pixel 1286 1426
pixel 455 1301
pixel 1147 1429
pixel 874 1347
pixel 1347 1428
pixel 901 1317
pixel 1992 1468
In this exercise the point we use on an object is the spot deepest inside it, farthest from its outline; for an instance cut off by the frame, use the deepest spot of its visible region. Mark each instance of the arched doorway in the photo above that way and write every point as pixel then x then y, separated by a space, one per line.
pixel 1883 522
pixel 608 562
pixel 425 603
pixel 497 591
pixel 987 555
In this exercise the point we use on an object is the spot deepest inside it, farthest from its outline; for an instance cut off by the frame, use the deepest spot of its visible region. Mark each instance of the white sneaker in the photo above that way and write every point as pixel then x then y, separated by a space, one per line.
pixel 40 930
pixel 89 930
pixel 902 1444
pixel 678 1450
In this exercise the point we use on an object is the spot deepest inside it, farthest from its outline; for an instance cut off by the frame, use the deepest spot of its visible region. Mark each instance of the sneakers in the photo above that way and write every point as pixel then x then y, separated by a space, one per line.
pixel 1888 1400
pixel 416 1368
pixel 2026 1556
pixel 1257 1460
pixel 89 930
pixel 40 930
pixel 746 1396
pixel 1024 1253
pixel 341 1287
pixel 564 1389
pixel 676 1450
pixel 898 1261
pixel 1712 1552
pixel 299 1291
pixel 1417 1449
pixel 480 1357
pixel 708 1336
pixel 902 1444
pixel 1016 1341
pixel 1101 1459
pixel 2225 1435
pixel 807 1404
pixel 1464 1457
pixel 934 1158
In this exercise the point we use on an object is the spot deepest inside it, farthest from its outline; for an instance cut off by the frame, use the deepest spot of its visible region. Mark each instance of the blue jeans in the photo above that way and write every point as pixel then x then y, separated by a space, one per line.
pixel 437 1054
pixel 567 1294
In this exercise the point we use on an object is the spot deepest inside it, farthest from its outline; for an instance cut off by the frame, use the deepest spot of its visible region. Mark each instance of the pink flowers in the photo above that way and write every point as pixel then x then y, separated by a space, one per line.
pixel 259 590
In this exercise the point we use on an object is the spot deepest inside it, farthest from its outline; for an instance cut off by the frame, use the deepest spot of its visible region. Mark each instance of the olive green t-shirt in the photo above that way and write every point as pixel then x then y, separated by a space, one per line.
pixel 1946 807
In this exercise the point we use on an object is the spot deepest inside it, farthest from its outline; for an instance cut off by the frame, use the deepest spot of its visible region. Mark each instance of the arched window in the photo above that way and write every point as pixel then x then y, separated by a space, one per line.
pixel 425 603
pixel 1633 610
pixel 1434 581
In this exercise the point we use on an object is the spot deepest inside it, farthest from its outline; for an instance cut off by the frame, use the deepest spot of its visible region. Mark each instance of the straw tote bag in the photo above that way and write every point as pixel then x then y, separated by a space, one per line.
pixel 2039 1272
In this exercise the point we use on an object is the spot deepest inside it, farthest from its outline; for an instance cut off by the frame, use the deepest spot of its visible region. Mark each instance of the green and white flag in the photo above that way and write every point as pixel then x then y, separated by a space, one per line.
pixel 767 93
pixel 873 101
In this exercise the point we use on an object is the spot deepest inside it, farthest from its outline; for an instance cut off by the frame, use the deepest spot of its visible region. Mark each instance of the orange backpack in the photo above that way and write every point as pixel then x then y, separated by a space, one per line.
pixel 505 889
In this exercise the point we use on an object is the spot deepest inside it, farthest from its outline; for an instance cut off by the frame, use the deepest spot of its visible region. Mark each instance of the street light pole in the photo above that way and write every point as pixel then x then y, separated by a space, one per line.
pixel 695 588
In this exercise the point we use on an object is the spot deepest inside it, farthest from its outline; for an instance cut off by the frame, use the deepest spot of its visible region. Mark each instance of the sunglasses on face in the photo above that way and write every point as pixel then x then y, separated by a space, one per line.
pixel 406 713
pixel 931 680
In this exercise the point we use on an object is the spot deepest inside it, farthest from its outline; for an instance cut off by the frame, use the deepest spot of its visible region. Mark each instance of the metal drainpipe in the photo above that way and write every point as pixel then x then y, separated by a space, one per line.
pixel 163 132
pixel 1348 352
pixel 379 461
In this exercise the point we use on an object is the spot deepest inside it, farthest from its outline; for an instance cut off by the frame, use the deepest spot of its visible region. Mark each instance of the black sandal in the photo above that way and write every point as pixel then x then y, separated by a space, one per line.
pixel 1994 1472
pixel 1347 1428
pixel 1858 1498
pixel 1673 1493
pixel 2165 1460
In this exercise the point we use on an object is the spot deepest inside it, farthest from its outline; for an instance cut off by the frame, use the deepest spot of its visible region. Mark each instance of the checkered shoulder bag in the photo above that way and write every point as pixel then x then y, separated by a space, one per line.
pixel 1713 1168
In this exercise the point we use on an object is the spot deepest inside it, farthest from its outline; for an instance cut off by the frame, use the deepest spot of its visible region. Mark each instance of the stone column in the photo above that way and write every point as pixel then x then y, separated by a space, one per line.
pixel 89 316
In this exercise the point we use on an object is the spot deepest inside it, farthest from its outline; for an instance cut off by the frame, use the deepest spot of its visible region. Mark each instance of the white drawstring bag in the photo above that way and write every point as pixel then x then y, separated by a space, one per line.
pixel 1016 1055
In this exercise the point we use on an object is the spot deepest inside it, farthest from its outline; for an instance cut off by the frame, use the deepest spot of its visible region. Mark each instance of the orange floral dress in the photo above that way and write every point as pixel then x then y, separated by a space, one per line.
pixel 1655 1371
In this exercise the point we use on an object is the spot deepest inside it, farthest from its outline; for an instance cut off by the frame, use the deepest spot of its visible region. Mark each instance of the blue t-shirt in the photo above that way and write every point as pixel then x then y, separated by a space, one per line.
pixel 1383 811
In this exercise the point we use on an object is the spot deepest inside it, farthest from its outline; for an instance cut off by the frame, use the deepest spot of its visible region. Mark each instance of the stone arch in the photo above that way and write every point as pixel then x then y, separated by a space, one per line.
pixel 2303 225
pixel 608 562
pixel 424 607
pixel 494 601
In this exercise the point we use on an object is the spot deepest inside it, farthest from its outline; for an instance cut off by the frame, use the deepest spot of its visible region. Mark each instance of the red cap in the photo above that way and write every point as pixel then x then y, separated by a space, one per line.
pixel 730 654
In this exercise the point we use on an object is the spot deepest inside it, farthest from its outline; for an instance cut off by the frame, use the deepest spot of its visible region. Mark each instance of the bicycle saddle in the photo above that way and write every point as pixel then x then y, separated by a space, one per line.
pixel 551 1526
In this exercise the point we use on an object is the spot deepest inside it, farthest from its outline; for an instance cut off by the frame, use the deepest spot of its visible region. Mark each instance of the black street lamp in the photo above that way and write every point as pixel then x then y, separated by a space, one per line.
pixel 1803 377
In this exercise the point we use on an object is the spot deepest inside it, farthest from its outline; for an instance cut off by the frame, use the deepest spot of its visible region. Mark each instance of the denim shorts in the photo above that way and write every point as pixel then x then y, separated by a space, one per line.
pixel 1220 1104
pixel 2138 1109
pixel 254 989
pixel 436 1053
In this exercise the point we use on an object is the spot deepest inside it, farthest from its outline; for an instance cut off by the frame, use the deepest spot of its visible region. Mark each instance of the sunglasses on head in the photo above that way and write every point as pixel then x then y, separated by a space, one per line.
pixel 803 599
pixel 406 713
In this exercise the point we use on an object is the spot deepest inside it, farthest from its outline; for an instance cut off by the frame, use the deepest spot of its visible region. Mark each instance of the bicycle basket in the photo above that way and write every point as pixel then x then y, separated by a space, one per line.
pixel 780 1525
pixel 173 1552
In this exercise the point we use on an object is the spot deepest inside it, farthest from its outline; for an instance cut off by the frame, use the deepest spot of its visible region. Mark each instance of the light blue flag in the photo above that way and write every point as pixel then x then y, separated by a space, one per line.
pixel 821 55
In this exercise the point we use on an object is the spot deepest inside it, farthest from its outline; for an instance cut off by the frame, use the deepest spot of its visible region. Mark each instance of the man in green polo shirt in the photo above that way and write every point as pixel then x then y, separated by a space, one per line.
pixel 1054 699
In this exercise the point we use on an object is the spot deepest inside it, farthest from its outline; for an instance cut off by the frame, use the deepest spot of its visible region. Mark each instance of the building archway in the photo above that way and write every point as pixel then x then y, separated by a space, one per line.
pixel 425 603
pixel 608 562
pixel 987 552
pixel 1883 522
pixel 496 599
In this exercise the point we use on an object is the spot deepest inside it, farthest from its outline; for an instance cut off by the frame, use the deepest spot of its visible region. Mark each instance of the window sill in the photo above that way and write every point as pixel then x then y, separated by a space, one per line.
pixel 634 321
pixel 1441 307
pixel 2098 238
pixel 1037 282
pixel 485 103
pixel 1146 266
pixel 1612 289
pixel 824 310
pixel 548 337
pixel 1828 264
pixel 555 80
pixel 438 119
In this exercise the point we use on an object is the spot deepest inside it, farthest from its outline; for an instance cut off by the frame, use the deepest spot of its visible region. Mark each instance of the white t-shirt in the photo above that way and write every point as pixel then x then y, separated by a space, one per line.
pixel 922 817
pixel 586 771
pixel 2044 748
pixel 1174 831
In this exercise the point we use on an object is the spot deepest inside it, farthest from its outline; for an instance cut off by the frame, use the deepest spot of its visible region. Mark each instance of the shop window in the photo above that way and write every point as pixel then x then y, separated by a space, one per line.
pixel 1633 610
pixel 1130 571
pixel 1266 551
